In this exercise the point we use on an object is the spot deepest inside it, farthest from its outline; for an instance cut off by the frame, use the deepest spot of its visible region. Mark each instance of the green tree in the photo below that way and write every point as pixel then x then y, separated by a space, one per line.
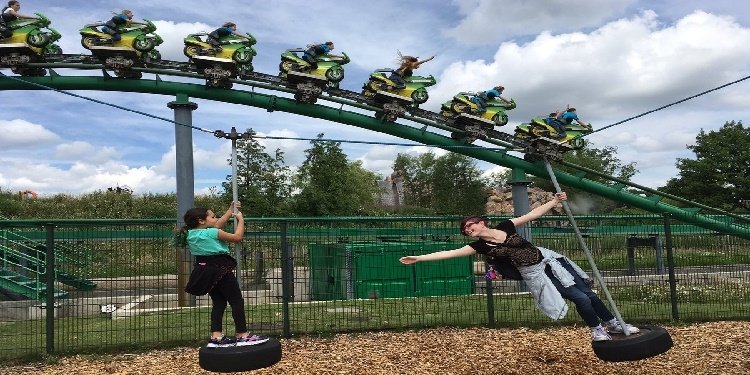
pixel 457 186
pixel 449 184
pixel 496 180
pixel 416 172
pixel 602 160
pixel 365 185
pixel 329 184
pixel 719 176
pixel 263 181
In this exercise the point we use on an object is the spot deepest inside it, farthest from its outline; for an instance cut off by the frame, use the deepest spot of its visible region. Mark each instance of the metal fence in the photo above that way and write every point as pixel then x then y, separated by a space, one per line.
pixel 96 286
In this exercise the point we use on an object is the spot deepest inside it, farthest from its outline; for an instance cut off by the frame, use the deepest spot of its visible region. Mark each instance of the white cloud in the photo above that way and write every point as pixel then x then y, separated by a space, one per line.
pixel 625 66
pixel 19 133
pixel 487 21
pixel 379 159
pixel 84 151
pixel 292 149
pixel 173 34
pixel 621 69
pixel 493 170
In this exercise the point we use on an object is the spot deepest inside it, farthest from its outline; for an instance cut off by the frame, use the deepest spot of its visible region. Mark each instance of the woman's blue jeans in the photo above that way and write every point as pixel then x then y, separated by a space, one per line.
pixel 589 306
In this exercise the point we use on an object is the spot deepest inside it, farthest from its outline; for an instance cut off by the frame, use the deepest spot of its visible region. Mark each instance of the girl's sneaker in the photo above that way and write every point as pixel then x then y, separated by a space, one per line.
pixel 221 342
pixel 251 340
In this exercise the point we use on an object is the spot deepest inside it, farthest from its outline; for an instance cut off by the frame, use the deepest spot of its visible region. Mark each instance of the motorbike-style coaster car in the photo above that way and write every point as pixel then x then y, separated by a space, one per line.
pixel 465 115
pixel 382 91
pixel 462 106
pixel 32 40
pixel 309 83
pixel 541 128
pixel 136 47
pixel 231 59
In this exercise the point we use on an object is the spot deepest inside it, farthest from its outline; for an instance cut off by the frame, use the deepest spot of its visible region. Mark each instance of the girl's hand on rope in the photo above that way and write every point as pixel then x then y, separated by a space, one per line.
pixel 233 205
pixel 561 196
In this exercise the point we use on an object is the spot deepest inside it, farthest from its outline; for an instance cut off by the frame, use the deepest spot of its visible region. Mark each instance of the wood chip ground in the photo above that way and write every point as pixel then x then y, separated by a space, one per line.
pixel 706 348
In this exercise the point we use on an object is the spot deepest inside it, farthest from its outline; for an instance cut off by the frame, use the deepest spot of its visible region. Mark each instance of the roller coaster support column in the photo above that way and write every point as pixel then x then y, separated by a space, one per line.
pixel 183 139
pixel 594 268
pixel 520 193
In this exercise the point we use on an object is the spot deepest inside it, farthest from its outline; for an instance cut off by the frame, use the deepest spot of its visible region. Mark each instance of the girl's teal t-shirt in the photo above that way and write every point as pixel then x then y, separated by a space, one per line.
pixel 206 241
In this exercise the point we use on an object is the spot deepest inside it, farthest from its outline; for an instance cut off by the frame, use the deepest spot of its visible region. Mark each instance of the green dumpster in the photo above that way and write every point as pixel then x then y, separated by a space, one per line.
pixel 372 270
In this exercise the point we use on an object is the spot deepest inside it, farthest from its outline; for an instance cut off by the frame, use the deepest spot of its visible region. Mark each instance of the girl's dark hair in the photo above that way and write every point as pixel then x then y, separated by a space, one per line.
pixel 192 219
pixel 228 24
pixel 12 3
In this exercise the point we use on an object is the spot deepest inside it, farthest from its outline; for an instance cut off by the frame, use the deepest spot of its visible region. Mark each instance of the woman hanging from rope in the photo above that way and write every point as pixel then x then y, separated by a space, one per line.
pixel 407 65
pixel 549 276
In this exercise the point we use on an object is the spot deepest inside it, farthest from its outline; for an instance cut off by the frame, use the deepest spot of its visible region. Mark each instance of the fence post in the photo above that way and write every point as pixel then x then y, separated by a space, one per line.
pixel 287 271
pixel 670 264
pixel 490 300
pixel 50 285
pixel 659 254
pixel 632 239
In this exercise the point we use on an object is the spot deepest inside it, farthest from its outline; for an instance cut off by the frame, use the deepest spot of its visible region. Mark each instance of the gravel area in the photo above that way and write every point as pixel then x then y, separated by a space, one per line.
pixel 705 348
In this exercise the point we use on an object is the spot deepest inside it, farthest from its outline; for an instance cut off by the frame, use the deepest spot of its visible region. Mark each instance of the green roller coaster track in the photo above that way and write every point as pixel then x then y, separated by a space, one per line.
pixel 616 191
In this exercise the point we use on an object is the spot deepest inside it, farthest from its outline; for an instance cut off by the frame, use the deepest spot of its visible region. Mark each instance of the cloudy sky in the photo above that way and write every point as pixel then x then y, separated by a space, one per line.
pixel 611 59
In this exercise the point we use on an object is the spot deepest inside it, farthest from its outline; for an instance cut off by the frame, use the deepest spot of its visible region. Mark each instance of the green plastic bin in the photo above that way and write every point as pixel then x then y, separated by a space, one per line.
pixel 371 270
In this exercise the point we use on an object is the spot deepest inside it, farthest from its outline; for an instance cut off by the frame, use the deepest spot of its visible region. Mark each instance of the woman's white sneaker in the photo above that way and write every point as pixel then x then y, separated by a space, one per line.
pixel 598 333
pixel 617 328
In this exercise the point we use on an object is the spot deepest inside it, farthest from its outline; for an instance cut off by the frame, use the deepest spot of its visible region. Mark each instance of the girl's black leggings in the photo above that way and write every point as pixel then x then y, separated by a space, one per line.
pixel 227 290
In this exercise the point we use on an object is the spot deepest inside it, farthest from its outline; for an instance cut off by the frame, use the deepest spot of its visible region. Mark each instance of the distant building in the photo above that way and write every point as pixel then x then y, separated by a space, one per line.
pixel 391 191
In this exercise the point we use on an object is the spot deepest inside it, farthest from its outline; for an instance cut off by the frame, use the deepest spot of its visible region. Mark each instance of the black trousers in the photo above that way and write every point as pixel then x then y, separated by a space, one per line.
pixel 227 290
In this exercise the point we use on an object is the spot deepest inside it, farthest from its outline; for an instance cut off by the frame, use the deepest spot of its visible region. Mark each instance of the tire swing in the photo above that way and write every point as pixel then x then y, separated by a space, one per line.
pixel 238 358
pixel 651 341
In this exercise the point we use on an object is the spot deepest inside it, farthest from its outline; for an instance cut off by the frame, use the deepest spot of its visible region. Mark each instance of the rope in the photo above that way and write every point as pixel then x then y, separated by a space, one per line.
pixel 667 106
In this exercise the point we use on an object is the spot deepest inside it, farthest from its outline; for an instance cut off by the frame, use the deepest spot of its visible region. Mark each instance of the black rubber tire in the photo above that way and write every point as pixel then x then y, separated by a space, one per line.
pixel 500 119
pixel 242 56
pixel 577 143
pixel 88 41
pixel 240 358
pixel 38 39
pixel 419 96
pixel 143 45
pixel 652 340
pixel 335 73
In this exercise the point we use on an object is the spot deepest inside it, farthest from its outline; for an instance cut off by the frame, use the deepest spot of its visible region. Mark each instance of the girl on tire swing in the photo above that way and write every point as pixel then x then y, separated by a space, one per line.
pixel 212 272
pixel 549 276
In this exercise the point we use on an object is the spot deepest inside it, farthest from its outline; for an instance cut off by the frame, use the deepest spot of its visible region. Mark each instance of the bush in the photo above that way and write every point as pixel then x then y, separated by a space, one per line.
pixel 99 205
